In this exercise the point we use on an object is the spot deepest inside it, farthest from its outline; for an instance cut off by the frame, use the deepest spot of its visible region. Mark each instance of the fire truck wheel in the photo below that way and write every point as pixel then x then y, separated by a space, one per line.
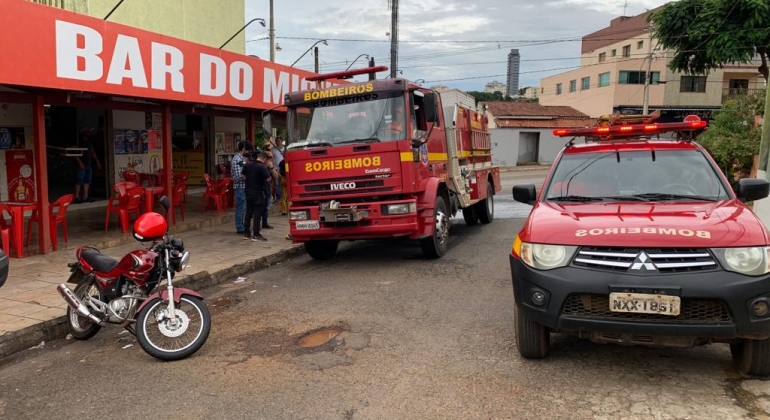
pixel 321 250
pixel 469 214
pixel 435 245
pixel 532 339
pixel 486 209
pixel 752 357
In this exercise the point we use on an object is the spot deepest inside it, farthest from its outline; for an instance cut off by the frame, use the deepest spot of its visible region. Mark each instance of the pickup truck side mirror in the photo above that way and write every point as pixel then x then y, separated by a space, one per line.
pixel 750 189
pixel 525 193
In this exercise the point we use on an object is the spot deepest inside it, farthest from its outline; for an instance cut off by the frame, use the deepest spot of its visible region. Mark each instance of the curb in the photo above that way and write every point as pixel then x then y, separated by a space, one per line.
pixel 56 328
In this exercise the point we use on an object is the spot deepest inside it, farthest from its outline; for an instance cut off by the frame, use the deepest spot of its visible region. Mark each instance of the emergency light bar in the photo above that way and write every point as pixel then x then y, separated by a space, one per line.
pixel 631 129
pixel 346 74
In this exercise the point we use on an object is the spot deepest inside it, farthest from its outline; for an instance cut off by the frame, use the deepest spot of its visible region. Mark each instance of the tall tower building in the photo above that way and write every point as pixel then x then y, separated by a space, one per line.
pixel 514 60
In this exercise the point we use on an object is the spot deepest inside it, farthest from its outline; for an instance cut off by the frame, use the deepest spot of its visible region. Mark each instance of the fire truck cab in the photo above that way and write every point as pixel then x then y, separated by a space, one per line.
pixel 383 159
pixel 636 238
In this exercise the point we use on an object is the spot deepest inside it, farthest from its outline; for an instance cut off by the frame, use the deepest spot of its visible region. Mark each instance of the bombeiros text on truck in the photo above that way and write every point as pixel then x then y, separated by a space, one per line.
pixel 637 237
pixel 383 159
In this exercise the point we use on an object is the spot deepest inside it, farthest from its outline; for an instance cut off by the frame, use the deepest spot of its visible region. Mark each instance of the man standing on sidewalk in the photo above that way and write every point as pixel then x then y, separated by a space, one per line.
pixel 269 189
pixel 236 166
pixel 255 176
pixel 280 186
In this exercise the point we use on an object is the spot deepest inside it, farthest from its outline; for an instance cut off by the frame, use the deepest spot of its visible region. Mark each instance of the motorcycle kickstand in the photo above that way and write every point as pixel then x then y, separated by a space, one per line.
pixel 131 330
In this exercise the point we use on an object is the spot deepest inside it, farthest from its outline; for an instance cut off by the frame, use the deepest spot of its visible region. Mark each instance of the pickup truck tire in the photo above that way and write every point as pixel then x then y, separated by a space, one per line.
pixel 752 357
pixel 321 250
pixel 485 209
pixel 470 216
pixel 435 245
pixel 532 339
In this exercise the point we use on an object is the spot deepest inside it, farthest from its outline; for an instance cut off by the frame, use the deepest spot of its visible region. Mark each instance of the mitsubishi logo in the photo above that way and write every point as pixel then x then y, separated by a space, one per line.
pixel 642 261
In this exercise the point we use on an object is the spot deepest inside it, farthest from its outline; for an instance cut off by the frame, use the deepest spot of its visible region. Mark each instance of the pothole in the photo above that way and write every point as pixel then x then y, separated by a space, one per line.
pixel 222 302
pixel 319 337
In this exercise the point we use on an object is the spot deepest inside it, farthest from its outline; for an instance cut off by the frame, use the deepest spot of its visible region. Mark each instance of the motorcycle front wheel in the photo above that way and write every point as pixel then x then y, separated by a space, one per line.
pixel 166 338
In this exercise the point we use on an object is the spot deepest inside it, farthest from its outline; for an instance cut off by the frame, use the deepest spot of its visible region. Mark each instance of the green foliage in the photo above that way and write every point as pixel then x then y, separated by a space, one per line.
pixel 489 97
pixel 732 137
pixel 706 34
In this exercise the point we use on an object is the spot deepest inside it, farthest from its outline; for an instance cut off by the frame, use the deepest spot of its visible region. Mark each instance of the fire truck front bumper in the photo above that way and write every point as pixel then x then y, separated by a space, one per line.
pixel 717 304
pixel 390 219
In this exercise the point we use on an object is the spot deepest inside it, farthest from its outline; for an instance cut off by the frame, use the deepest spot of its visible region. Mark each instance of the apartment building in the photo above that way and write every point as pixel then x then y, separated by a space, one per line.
pixel 496 86
pixel 613 71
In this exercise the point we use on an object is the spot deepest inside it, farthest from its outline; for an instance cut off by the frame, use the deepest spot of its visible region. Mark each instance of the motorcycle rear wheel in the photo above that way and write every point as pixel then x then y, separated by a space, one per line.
pixel 79 326
pixel 165 341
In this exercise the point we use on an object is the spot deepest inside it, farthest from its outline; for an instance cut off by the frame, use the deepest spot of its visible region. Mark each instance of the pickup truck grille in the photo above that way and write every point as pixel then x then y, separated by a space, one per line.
pixel 645 261
pixel 692 311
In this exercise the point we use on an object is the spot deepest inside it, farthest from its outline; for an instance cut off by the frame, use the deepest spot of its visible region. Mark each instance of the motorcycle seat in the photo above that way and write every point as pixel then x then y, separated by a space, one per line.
pixel 97 260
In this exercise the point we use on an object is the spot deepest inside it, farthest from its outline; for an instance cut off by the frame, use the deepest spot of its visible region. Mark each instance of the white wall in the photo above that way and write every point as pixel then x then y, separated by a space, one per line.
pixel 506 141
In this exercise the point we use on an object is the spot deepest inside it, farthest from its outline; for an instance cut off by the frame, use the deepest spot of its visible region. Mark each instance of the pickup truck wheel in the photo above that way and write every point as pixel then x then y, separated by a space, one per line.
pixel 752 357
pixel 321 250
pixel 469 214
pixel 486 208
pixel 435 245
pixel 532 339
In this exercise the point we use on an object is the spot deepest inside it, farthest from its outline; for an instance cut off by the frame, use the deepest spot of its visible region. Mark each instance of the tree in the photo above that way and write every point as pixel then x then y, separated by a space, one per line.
pixel 733 137
pixel 706 34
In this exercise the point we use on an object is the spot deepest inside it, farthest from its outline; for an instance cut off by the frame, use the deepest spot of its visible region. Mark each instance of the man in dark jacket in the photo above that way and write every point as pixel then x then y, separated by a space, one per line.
pixel 255 175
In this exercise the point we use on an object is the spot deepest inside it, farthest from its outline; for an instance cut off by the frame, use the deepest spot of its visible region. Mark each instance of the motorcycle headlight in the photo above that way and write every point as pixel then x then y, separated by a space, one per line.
pixel 752 261
pixel 181 263
pixel 543 256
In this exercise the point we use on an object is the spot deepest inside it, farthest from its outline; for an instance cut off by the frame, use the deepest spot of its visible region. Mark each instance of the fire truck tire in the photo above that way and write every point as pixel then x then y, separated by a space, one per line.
pixel 469 214
pixel 321 250
pixel 532 339
pixel 435 245
pixel 486 208
pixel 752 357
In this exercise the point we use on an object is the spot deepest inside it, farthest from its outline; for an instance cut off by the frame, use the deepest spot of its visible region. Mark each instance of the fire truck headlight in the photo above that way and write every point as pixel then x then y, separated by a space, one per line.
pixel 546 257
pixel 752 261
pixel 404 208
pixel 298 215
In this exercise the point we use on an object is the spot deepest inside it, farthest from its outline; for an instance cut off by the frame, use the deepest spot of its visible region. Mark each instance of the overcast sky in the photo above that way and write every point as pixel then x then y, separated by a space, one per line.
pixel 438 20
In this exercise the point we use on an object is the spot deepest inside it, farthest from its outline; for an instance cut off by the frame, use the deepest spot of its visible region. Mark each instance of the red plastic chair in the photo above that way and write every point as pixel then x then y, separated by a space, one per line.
pixel 177 200
pixel 5 229
pixel 217 195
pixel 56 218
pixel 181 177
pixel 131 176
pixel 128 203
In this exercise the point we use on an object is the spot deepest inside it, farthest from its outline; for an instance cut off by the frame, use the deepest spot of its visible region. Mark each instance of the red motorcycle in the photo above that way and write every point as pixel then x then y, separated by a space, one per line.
pixel 132 294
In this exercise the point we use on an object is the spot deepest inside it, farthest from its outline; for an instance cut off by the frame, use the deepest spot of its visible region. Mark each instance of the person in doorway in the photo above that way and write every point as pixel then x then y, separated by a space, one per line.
pixel 239 187
pixel 255 175
pixel 269 187
pixel 280 185
pixel 84 166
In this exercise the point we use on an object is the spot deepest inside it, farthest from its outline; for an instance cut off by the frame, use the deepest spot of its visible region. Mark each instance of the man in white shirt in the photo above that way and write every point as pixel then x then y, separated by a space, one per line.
pixel 280 186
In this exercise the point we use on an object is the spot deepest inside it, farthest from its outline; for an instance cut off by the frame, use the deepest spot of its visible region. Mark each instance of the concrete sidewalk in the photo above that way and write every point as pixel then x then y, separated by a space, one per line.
pixel 31 310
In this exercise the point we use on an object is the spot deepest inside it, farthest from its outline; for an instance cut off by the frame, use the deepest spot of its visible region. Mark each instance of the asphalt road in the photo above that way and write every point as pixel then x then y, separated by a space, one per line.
pixel 419 339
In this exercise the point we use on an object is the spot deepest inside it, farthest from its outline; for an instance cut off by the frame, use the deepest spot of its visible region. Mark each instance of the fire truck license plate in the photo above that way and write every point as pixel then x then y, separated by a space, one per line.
pixel 308 224
pixel 639 303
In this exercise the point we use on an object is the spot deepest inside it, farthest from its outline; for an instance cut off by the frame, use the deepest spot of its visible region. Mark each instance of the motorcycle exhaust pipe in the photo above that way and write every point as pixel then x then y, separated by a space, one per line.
pixel 76 304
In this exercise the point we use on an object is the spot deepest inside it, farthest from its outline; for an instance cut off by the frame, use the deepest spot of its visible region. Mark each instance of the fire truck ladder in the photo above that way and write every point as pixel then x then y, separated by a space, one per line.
pixel 457 182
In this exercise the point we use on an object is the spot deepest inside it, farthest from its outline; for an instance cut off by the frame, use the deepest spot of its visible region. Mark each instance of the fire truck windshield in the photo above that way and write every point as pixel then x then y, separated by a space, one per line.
pixel 636 176
pixel 376 120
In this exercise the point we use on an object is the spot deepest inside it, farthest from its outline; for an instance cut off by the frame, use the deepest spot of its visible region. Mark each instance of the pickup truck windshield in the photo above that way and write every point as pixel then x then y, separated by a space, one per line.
pixel 365 121
pixel 660 175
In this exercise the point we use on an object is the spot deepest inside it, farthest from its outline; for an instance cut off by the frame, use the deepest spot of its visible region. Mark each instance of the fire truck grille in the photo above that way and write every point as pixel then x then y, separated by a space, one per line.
pixel 334 187
pixel 645 261
pixel 692 311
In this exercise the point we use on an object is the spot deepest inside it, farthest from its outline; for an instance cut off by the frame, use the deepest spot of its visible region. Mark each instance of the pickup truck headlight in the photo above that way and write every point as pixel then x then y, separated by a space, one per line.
pixel 543 256
pixel 753 261
pixel 298 215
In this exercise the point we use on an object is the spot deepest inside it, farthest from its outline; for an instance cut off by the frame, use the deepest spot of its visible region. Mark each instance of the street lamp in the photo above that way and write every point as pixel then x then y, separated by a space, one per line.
pixel 308 50
pixel 261 22
pixel 354 61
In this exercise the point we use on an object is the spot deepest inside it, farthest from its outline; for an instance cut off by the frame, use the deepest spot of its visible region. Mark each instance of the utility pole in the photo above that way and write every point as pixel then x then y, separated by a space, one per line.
pixel 648 75
pixel 394 38
pixel 315 53
pixel 372 76
pixel 272 33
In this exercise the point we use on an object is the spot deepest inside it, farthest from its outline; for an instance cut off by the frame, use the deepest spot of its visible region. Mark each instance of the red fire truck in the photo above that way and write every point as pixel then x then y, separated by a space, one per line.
pixel 638 238
pixel 383 159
